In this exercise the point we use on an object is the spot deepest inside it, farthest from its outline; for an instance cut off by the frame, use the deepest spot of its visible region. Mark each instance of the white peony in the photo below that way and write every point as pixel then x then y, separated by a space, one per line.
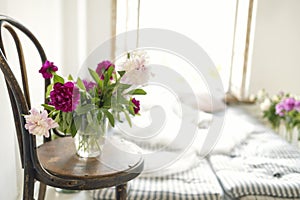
pixel 261 94
pixel 137 76
pixel 265 105
pixel 275 98
pixel 137 72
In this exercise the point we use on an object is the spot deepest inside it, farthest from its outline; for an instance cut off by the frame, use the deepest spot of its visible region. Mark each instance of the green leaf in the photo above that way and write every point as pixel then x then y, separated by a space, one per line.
pixel 131 109
pixel 57 118
pixel 137 92
pixel 89 117
pixel 110 117
pixel 69 118
pixel 49 88
pixel 73 130
pixel 96 78
pixel 80 84
pixel 107 102
pixel 70 78
pixel 123 86
pixel 95 100
pixel 121 100
pixel 118 116
pixel 77 122
pixel 121 73
pixel 58 79
pixel 108 74
pixel 127 118
pixel 64 124
pixel 110 71
pixel 48 107
pixel 99 116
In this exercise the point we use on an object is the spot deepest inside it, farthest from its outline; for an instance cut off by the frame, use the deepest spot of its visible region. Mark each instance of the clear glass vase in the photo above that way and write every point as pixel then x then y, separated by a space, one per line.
pixel 289 134
pixel 90 138
pixel 292 136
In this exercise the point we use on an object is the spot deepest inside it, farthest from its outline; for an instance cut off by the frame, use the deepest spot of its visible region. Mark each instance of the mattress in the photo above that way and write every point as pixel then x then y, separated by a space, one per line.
pixel 199 182
pixel 259 165
pixel 264 166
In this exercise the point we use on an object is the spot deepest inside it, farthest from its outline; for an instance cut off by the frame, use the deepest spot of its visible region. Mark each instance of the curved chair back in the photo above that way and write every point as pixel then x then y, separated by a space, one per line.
pixel 19 91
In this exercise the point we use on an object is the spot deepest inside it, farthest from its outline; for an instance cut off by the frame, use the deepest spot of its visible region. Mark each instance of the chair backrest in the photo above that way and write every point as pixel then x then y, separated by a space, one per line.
pixel 19 92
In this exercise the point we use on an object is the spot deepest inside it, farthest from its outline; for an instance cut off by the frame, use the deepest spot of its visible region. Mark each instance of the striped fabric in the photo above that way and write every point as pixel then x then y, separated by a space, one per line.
pixel 265 198
pixel 263 167
pixel 199 182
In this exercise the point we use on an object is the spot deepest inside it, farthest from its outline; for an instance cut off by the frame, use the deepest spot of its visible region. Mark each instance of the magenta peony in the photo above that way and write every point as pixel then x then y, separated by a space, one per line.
pixel 47 69
pixel 64 97
pixel 102 67
pixel 137 105
pixel 89 84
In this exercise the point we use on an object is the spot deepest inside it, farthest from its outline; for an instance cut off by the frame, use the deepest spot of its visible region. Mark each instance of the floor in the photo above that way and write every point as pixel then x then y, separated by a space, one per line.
pixel 53 194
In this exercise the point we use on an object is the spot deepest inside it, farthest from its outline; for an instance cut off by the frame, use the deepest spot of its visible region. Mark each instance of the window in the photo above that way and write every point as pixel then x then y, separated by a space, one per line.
pixel 209 23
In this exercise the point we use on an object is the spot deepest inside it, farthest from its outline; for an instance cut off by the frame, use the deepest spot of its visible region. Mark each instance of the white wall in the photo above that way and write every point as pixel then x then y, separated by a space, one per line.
pixel 276 48
pixel 68 31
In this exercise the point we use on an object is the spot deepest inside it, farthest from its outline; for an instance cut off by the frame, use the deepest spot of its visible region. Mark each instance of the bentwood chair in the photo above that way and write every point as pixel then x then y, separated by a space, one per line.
pixel 54 163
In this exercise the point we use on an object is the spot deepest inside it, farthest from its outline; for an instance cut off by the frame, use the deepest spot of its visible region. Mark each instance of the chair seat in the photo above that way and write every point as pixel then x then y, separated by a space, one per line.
pixel 115 165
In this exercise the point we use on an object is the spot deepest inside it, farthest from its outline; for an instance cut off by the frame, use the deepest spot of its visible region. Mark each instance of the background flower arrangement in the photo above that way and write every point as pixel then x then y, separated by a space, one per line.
pixel 267 105
pixel 84 104
pixel 282 109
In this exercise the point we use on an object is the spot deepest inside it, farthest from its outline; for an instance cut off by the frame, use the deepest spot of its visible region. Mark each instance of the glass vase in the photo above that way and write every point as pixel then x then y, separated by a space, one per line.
pixel 293 135
pixel 90 138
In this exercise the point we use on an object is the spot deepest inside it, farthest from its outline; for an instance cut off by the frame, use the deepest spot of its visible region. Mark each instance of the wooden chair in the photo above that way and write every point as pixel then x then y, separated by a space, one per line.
pixel 55 163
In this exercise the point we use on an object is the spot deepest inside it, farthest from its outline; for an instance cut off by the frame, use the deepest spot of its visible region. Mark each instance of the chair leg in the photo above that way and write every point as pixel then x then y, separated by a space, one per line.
pixel 121 192
pixel 28 188
pixel 42 191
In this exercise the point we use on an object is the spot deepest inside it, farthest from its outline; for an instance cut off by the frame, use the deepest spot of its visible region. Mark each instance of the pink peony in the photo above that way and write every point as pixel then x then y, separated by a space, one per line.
pixel 64 97
pixel 38 123
pixel 137 105
pixel 289 104
pixel 280 109
pixel 47 69
pixel 297 106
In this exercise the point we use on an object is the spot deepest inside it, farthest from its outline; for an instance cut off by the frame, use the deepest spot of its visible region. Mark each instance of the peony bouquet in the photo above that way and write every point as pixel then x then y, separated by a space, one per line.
pixel 283 108
pixel 289 110
pixel 108 94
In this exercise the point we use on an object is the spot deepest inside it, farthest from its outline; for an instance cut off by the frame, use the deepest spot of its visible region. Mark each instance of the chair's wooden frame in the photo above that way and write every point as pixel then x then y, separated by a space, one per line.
pixel 20 102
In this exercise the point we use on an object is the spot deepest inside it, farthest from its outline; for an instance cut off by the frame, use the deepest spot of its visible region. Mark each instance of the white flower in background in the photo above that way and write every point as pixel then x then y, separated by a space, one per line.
pixel 275 98
pixel 261 95
pixel 296 97
pixel 39 123
pixel 136 76
pixel 252 97
pixel 265 105
pixel 137 72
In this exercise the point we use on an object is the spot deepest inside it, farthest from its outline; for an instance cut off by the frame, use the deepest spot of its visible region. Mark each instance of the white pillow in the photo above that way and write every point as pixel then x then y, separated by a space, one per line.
pixel 235 130
pixel 203 101
pixel 187 160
